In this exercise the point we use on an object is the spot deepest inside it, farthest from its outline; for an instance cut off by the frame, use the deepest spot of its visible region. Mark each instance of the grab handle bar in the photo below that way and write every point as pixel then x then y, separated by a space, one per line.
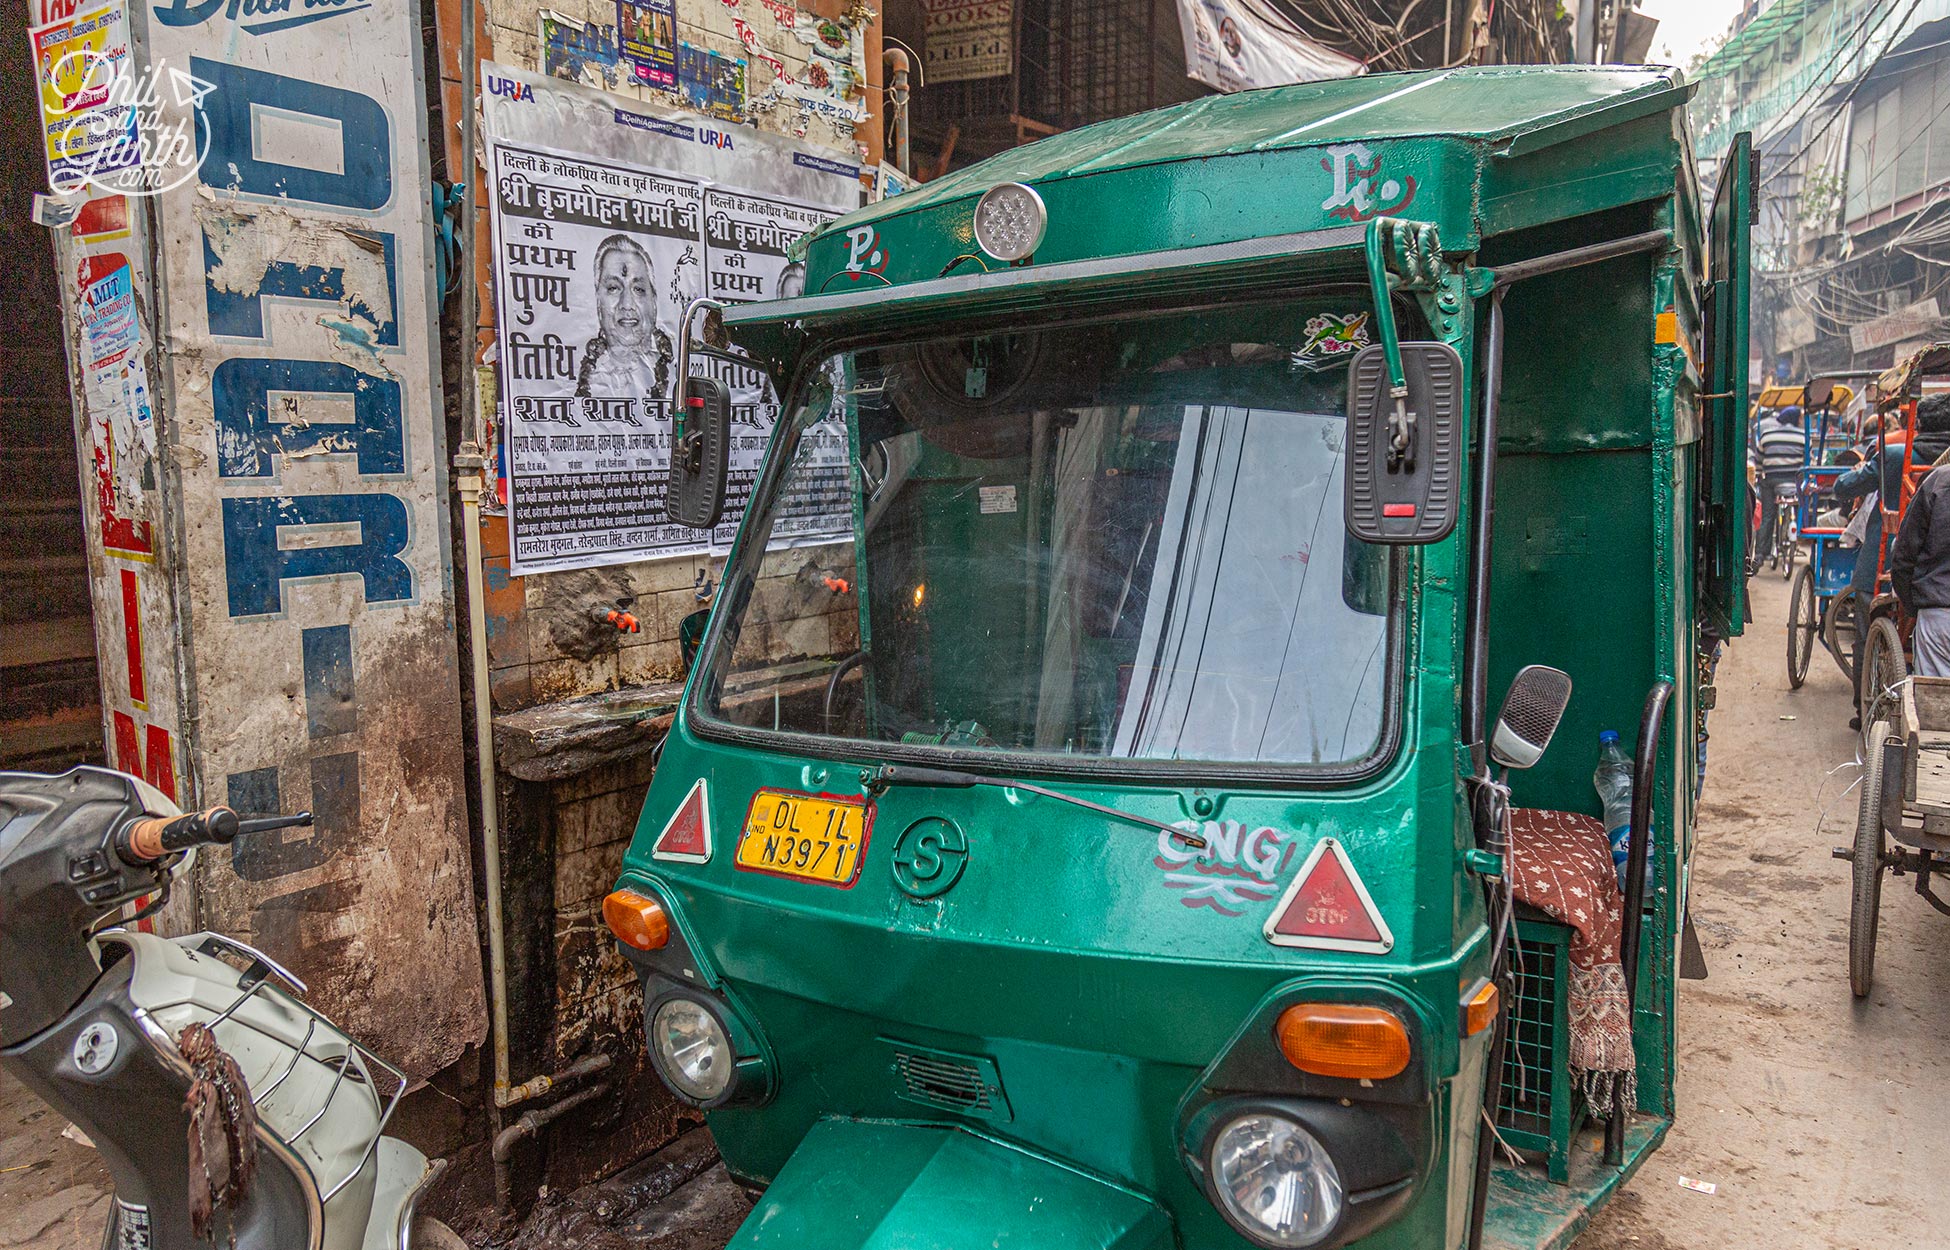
pixel 1656 701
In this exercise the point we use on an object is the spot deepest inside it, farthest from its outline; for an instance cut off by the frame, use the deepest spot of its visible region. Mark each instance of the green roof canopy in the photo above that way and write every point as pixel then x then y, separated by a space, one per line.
pixel 1516 105
pixel 1756 37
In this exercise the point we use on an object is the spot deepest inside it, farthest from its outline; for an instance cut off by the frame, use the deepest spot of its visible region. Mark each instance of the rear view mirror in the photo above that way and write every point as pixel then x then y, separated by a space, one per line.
pixel 700 454
pixel 1818 393
pixel 1530 716
pixel 1404 451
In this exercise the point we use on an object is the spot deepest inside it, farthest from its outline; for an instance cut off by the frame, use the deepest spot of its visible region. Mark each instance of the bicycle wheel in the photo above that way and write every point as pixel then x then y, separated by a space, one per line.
pixel 1803 623
pixel 1865 898
pixel 1838 632
pixel 1787 540
pixel 1883 670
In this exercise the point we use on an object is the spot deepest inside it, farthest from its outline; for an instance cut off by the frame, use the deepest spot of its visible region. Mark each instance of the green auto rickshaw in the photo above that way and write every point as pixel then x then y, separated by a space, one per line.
pixel 1088 823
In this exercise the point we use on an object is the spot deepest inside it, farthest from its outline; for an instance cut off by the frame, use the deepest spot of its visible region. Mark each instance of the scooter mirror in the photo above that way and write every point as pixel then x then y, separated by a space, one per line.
pixel 1531 713
pixel 1404 451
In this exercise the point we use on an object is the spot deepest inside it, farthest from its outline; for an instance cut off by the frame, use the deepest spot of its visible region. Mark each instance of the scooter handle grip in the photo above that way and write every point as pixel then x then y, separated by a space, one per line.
pixel 151 839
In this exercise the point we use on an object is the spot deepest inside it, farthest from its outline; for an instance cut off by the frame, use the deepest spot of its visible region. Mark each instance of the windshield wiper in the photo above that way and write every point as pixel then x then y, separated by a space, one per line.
pixel 878 780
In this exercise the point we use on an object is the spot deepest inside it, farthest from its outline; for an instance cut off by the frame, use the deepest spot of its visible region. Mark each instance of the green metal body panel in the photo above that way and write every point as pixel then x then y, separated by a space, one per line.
pixel 1059 963
pixel 940 1189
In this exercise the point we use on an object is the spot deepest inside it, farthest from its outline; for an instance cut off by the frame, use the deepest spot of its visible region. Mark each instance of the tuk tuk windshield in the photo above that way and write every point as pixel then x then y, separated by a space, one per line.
pixel 1118 541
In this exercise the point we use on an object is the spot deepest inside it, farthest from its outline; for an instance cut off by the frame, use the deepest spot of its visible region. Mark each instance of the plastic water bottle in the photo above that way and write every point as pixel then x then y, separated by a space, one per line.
pixel 1614 782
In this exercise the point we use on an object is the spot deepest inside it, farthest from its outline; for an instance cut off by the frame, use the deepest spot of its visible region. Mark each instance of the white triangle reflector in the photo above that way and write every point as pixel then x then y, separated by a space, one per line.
pixel 1328 908
pixel 687 838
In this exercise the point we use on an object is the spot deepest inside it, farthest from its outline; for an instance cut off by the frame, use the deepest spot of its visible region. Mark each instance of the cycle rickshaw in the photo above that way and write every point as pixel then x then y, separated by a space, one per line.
pixel 1819 604
pixel 1903 817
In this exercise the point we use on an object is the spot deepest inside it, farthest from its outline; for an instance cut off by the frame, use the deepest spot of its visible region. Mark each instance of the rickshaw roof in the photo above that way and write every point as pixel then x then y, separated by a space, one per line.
pixel 1512 106
pixel 1896 381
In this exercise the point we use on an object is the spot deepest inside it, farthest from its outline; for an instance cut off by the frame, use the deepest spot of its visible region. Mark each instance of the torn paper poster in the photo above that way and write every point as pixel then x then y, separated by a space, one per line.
pixel 1237 45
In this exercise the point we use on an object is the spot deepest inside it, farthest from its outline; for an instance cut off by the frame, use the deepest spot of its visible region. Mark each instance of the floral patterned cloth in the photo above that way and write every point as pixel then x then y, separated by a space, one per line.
pixel 1561 865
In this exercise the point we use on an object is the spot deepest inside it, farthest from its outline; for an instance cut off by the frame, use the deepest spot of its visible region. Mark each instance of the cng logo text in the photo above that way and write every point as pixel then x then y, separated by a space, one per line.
pixel 1237 867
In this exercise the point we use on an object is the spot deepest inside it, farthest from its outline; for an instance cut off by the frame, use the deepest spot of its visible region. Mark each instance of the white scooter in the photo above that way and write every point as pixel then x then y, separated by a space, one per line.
pixel 222 1104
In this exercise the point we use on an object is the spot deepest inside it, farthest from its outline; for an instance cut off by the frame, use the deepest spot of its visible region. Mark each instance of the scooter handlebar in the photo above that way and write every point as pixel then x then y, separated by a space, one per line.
pixel 149 840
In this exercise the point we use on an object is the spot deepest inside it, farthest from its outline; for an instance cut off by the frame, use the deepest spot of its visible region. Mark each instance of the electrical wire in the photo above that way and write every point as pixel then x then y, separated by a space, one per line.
pixel 1841 105
pixel 1821 82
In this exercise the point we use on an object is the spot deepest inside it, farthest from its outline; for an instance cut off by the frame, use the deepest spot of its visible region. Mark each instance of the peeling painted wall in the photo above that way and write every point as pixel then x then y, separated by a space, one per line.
pixel 302 437
pixel 132 561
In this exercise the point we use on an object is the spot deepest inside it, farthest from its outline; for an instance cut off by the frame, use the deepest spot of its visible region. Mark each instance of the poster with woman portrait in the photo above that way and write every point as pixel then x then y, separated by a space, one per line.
pixel 594 263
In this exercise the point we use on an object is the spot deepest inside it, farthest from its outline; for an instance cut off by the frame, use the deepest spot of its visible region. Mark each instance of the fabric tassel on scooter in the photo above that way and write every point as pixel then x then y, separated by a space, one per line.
pixel 222 1131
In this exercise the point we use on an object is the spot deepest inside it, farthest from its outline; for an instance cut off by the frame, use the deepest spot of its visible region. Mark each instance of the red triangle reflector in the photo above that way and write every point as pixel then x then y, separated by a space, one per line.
pixel 1328 908
pixel 687 838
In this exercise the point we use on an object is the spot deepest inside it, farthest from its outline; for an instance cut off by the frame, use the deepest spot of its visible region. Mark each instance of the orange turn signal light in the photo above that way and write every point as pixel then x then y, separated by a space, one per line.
pixel 1343 1039
pixel 637 921
pixel 1479 1008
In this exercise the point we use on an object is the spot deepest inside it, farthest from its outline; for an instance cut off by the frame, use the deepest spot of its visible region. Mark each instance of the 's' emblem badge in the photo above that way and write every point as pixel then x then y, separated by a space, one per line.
pixel 929 856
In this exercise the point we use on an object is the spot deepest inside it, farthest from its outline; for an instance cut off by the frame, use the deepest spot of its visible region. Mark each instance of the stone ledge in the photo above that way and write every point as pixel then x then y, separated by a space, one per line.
pixel 555 741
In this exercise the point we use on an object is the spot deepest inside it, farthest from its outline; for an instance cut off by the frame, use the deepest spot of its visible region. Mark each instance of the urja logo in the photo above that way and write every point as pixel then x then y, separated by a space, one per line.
pixel 1236 868
pixel 1356 197
pixel 520 92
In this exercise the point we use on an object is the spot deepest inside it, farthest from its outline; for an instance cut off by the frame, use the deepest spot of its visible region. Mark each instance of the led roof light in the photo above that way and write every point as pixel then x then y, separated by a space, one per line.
pixel 1010 220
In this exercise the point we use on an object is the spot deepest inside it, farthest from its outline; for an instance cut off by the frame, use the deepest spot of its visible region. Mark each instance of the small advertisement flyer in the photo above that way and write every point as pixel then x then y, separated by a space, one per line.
pixel 647 32
pixel 88 125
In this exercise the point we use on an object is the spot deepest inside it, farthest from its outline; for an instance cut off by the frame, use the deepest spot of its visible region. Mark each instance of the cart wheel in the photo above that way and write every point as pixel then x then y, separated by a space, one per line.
pixel 1803 623
pixel 1870 844
pixel 1838 632
pixel 1883 670
pixel 1791 549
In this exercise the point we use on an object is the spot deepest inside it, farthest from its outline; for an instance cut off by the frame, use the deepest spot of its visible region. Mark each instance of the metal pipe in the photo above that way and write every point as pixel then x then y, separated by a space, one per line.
pixel 1611 249
pixel 531 1123
pixel 1475 699
pixel 1640 852
pixel 679 385
pixel 1476 631
pixel 894 65
pixel 470 471
pixel 588 1065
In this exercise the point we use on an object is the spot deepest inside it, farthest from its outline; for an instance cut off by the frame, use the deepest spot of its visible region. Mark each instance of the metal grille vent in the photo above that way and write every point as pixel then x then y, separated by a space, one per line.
pixel 939 1081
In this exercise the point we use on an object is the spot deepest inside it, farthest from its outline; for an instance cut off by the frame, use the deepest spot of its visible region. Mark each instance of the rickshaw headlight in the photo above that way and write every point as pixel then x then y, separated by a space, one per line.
pixel 1275 1181
pixel 693 1053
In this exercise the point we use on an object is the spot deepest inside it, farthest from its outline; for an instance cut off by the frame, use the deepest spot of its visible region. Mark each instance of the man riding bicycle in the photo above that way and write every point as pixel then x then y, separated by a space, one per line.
pixel 1779 452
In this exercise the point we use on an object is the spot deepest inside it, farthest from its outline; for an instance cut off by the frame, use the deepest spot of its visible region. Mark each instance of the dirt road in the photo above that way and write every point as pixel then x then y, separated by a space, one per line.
pixel 1824 1122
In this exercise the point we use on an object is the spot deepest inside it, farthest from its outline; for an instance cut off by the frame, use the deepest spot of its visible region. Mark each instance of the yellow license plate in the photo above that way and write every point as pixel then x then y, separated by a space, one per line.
pixel 810 837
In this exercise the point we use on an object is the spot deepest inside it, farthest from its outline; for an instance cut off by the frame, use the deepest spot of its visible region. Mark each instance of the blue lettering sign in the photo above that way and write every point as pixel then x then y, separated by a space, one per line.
pixel 230 111
pixel 257 566
pixel 268 15
pixel 250 435
pixel 240 314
